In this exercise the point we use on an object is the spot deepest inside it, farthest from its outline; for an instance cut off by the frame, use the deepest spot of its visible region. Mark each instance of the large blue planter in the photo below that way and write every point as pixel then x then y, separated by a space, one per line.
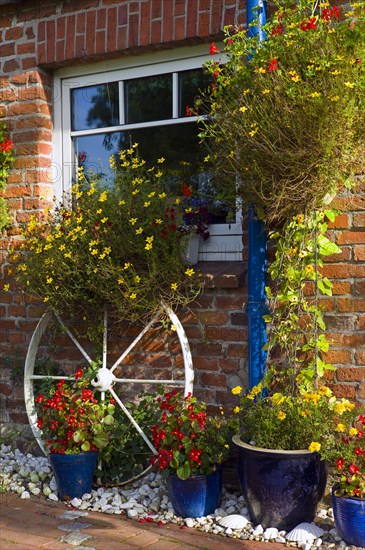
pixel 197 496
pixel 74 473
pixel 349 516
pixel 281 488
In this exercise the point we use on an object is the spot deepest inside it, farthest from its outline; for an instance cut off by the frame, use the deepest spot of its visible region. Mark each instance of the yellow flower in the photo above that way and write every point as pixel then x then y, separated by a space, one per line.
pixel 158 174
pixel 266 91
pixel 151 194
pixel 236 410
pixel 189 272
pixel 324 390
pixel 207 158
pixel 340 428
pixel 314 447
pixel 104 220
pixel 278 398
pixel 93 252
pixel 121 202
pixel 243 109
pixel 146 204
pixel 127 265
pixel 309 268
pixel 236 390
pixel 353 431
pixel 349 84
pixel 120 281
pixel 334 98
pixel 281 415
pixel 133 221
pixel 49 280
pixel 6 287
pixel 177 201
pixel 46 299
pixel 162 195
pixel 103 196
pixel 161 160
pixel 135 192
pixel 148 246
pixel 300 218
pixel 260 70
pixel 139 230
pixel 305 413
pixel 336 72
pixel 99 211
pixel 158 221
pixel 149 239
pixel 67 255
pixel 253 132
pixel 133 296
pixel 315 94
pixel 137 278
pixel 173 286
pixel 256 390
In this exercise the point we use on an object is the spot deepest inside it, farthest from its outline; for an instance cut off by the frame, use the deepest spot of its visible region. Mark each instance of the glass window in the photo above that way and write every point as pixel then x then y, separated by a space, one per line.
pixel 95 107
pixel 191 83
pixel 148 99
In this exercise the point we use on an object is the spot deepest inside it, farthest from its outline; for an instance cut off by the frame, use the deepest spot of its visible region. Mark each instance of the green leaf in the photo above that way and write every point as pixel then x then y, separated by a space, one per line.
pixel 183 472
pixel 85 446
pixel 327 247
pixel 101 440
pixel 109 420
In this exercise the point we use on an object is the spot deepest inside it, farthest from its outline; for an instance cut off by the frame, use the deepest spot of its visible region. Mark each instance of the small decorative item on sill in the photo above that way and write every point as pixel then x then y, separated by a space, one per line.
pixel 75 425
pixel 192 250
pixel 191 447
pixel 348 495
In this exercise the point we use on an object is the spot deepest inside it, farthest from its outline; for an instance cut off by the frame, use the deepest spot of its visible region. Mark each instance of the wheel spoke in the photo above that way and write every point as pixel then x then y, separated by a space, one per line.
pixel 74 340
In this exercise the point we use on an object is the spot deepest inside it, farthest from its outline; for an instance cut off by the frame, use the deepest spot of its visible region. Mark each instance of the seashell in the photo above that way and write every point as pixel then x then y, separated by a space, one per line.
pixel 304 532
pixel 233 521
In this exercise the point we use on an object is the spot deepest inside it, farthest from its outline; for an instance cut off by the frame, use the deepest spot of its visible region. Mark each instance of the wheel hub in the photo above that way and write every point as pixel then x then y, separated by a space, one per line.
pixel 104 379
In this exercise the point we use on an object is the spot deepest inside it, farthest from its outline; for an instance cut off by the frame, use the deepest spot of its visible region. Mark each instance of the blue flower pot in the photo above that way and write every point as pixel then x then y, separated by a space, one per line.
pixel 74 473
pixel 197 496
pixel 349 516
pixel 281 488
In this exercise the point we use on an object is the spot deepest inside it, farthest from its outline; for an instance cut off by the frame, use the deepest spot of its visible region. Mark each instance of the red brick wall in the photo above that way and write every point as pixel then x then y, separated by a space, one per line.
pixel 36 39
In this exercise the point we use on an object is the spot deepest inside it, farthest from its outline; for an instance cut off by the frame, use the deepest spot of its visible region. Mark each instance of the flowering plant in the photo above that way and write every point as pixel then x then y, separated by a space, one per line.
pixel 71 418
pixel 312 420
pixel 188 441
pixel 277 106
pixel 195 213
pixel 350 462
pixel 6 158
pixel 116 244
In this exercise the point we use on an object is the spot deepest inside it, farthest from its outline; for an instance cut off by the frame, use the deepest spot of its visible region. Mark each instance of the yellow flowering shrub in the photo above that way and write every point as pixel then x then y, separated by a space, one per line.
pixel 113 244
pixel 311 420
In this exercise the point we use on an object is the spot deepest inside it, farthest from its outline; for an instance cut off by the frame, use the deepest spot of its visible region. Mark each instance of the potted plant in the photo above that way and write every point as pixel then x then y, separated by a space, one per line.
pixel 75 425
pixel 114 244
pixel 191 446
pixel 277 105
pixel 348 495
pixel 195 218
pixel 284 441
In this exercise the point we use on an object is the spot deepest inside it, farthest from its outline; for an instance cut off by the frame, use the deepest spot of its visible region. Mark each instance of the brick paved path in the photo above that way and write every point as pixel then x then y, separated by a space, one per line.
pixel 33 524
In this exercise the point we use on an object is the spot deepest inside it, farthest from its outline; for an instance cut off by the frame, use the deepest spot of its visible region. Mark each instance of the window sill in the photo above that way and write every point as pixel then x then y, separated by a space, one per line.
pixel 223 274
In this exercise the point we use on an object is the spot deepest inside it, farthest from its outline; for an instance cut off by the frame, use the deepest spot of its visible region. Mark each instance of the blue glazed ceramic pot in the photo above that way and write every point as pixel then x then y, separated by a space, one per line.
pixel 197 496
pixel 74 473
pixel 349 516
pixel 281 488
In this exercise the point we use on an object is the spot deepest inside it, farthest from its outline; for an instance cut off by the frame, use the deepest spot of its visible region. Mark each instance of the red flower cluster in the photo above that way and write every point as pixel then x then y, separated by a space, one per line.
pixel 273 65
pixel 213 49
pixel 330 13
pixel 6 146
pixel 186 439
pixel 308 25
pixel 352 463
pixel 71 418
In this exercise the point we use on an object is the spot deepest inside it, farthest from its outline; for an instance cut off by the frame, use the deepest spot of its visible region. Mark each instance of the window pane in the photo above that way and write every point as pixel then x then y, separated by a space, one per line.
pixel 190 84
pixel 178 144
pixel 95 107
pixel 148 99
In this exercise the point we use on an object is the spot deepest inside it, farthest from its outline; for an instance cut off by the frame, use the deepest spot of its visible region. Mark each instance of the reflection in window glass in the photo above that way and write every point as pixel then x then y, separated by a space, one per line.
pixel 178 144
pixel 190 84
pixel 95 106
pixel 148 99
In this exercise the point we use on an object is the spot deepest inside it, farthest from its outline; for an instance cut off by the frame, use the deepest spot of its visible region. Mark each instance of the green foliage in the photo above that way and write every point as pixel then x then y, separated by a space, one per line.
pixel 6 158
pixel 288 114
pixel 188 441
pixel 127 455
pixel 114 244
pixel 311 420
pixel 297 342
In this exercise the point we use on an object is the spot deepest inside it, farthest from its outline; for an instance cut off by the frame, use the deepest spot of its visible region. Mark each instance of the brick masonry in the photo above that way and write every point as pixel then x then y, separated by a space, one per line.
pixel 36 39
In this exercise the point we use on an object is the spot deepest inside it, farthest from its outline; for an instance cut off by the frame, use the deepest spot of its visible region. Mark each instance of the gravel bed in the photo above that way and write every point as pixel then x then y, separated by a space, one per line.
pixel 146 500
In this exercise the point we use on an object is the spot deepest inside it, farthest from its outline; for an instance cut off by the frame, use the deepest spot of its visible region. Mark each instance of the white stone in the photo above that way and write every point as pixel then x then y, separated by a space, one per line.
pixel 76 502
pixel 25 494
pixel 52 496
pixel 189 522
pixel 270 533
pixel 131 513
pixel 258 530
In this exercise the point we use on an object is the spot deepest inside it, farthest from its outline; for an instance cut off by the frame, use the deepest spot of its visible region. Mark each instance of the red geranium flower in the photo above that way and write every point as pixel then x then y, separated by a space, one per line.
pixel 213 49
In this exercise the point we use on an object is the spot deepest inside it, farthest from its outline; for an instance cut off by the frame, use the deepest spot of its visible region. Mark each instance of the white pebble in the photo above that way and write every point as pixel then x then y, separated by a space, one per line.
pixel 52 496
pixel 189 522
pixel 76 502
pixel 258 530
pixel 25 494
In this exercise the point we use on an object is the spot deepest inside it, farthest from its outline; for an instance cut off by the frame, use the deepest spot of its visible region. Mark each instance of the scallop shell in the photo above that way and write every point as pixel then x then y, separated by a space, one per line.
pixel 234 521
pixel 304 532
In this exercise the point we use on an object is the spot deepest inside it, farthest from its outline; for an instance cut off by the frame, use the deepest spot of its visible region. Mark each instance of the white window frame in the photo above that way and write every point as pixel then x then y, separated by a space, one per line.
pixel 225 241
